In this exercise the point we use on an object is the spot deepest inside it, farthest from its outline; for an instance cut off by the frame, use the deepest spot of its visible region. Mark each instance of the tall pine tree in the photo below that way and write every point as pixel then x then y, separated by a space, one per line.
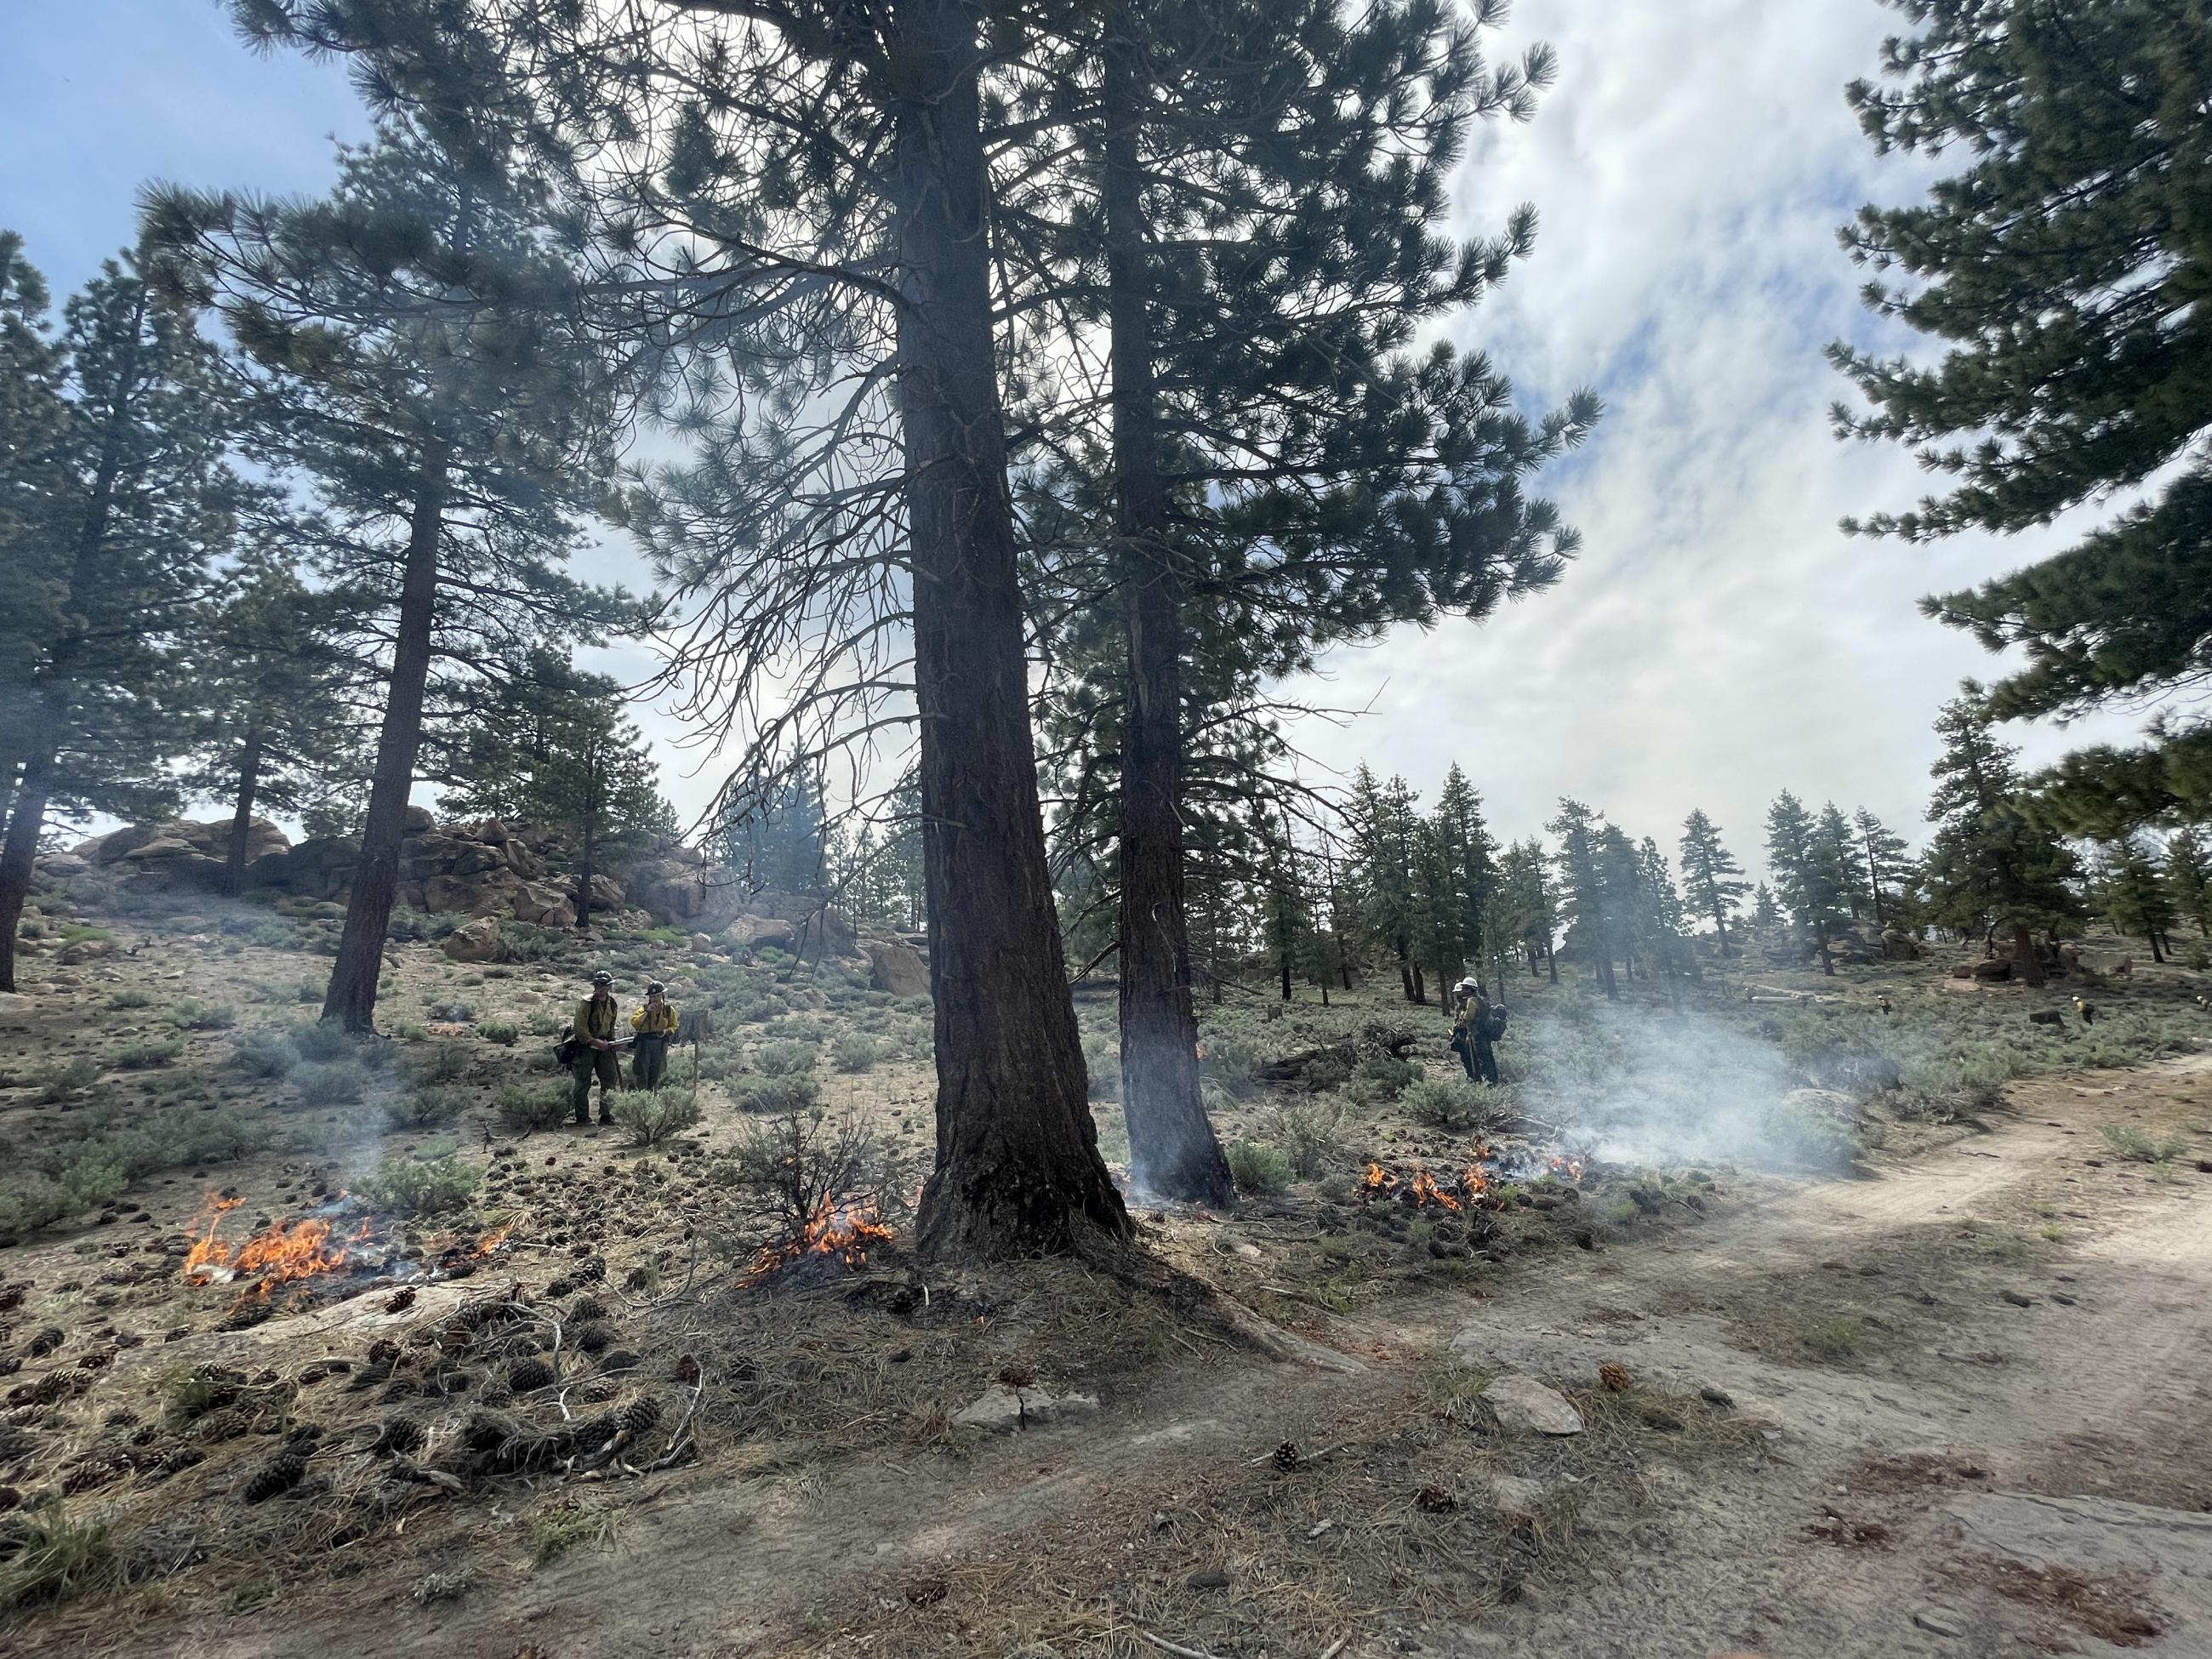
pixel 1991 867
pixel 137 502
pixel 2065 269
pixel 423 364
pixel 1711 877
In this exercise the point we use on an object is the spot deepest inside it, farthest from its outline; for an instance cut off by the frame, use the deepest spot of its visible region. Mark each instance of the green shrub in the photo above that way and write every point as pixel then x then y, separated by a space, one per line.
pixel 145 1056
pixel 1812 1137
pixel 430 1188
pixel 855 1051
pixel 498 1031
pixel 1228 1061
pixel 264 1054
pixel 408 1032
pixel 1257 1167
pixel 521 941
pixel 1379 1078
pixel 2132 1144
pixel 544 1023
pixel 92 1180
pixel 452 1010
pixel 322 1040
pixel 29 1203
pixel 446 1063
pixel 1447 1102
pixel 780 1094
pixel 1308 1134
pixel 56 1084
pixel 651 1115
pixel 784 1059
pixel 128 999
pixel 340 1083
pixel 422 1108
pixel 522 1109
pixel 203 1016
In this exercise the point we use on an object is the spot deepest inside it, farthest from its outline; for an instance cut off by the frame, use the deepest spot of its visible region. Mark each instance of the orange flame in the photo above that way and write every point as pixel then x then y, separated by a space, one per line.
pixel 491 1242
pixel 1379 1180
pixel 844 1231
pixel 1425 1191
pixel 276 1255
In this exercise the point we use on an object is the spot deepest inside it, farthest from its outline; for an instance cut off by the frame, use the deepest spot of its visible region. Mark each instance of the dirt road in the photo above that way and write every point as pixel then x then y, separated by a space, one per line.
pixel 1978 1391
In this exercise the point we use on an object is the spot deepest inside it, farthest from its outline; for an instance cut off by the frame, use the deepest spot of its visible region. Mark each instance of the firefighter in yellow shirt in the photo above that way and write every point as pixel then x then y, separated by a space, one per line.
pixel 655 1025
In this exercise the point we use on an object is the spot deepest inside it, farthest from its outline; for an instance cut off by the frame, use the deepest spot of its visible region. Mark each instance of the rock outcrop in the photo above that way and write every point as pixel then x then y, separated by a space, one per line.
pixel 497 870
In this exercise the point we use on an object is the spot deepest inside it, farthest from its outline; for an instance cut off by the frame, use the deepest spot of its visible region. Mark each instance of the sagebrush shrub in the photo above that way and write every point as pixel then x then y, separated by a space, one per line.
pixel 1256 1167
pixel 651 1115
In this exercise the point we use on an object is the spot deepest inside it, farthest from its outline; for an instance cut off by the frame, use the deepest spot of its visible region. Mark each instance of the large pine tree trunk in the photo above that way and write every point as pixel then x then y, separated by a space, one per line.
pixel 1173 1151
pixel 1018 1168
pixel 2024 962
pixel 1827 960
pixel 351 998
pixel 584 886
pixel 26 817
pixel 241 820
pixel 1720 928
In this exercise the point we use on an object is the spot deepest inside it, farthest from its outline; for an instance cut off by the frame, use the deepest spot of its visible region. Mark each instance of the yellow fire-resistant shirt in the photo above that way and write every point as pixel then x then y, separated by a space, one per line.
pixel 647 1022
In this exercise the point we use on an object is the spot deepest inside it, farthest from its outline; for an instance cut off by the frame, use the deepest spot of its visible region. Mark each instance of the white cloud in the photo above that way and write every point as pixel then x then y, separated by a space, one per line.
pixel 1719 639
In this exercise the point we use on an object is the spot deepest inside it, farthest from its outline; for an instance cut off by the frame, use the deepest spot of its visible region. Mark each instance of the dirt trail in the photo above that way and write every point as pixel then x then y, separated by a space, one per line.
pixel 1993 1444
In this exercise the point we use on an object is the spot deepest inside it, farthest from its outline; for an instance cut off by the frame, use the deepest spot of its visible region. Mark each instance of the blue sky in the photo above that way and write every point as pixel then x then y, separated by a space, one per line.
pixel 1718 640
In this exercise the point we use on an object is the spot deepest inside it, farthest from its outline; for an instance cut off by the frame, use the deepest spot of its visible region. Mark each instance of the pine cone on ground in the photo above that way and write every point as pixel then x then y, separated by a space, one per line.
pixel 594 1338
pixel 528 1373
pixel 1286 1454
pixel 587 1308
pixel 280 1473
pixel 1615 1378
pixel 641 1415
pixel 227 1424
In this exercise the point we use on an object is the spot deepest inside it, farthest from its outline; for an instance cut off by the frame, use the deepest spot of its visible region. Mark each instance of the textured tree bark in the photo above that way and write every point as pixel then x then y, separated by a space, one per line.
pixel 1017 1170
pixel 19 851
pixel 241 820
pixel 351 998
pixel 2024 962
pixel 1173 1151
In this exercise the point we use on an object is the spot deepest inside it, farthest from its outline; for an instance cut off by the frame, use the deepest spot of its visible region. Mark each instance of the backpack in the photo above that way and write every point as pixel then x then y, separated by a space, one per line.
pixel 1494 1023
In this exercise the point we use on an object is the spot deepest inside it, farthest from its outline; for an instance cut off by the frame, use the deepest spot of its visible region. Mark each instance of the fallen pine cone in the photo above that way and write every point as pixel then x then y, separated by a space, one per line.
pixel 687 1370
pixel 400 1301
pixel 1286 1454
pixel 1435 1500
pixel 1615 1378
pixel 280 1473
pixel 927 1592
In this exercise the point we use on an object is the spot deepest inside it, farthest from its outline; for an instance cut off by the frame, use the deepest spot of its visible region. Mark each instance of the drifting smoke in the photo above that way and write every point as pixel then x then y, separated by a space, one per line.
pixel 1636 1086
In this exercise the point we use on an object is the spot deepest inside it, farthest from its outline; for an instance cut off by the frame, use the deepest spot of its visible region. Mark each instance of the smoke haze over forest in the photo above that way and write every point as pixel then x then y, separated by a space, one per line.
pixel 1717 641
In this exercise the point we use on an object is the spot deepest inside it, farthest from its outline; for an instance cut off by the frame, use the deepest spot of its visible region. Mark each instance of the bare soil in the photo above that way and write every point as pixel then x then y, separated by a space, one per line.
pixel 1954 1405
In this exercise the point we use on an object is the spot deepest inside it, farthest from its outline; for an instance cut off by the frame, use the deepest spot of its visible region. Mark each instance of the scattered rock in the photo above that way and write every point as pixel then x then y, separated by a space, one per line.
pixel 1938 1623
pixel 702 943
pixel 998 1411
pixel 2017 1299
pixel 475 941
pixel 1515 1494
pixel 1207 1578
pixel 1522 1402
pixel 897 967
